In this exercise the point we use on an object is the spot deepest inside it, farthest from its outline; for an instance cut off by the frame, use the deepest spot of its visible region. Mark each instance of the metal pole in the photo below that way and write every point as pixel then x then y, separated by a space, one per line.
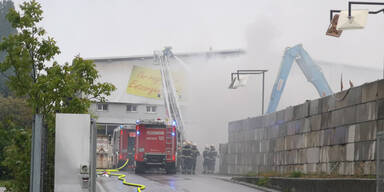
pixel 35 178
pixel 92 156
pixel 262 100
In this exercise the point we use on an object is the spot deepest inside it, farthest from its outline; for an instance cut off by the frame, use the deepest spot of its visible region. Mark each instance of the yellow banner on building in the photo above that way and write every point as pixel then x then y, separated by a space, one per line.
pixel 146 82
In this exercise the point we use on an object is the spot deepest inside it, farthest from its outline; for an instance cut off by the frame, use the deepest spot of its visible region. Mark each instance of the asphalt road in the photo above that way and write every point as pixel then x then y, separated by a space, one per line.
pixel 171 183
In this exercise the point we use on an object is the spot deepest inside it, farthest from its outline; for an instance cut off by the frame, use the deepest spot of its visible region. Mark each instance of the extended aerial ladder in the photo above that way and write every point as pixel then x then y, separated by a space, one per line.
pixel 169 91
pixel 310 69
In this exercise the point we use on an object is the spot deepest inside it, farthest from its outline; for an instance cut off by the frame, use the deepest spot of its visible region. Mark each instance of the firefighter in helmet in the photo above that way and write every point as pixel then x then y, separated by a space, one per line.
pixel 212 154
pixel 205 159
pixel 195 154
pixel 186 158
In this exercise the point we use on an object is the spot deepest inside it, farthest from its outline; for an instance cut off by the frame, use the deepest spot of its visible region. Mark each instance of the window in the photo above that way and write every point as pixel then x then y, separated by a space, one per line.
pixel 151 109
pixel 132 108
pixel 102 107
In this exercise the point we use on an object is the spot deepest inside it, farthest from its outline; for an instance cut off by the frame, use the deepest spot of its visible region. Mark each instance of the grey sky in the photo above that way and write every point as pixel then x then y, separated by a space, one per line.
pixel 100 28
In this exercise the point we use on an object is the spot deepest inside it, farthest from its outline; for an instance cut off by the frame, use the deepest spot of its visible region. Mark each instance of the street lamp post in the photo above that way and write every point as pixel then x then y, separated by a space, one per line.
pixel 235 76
pixel 348 19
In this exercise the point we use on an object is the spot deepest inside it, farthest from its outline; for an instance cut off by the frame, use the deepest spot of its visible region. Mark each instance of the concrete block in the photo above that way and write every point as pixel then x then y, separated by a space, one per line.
pixel 340 136
pixel 351 133
pixel 310 168
pixel 294 154
pixel 223 148
pixel 291 128
pixel 370 168
pixel 282 130
pixel 348 97
pixel 324 154
pixel 269 119
pixel 259 134
pixel 280 119
pixel 325 120
pixel 307 126
pixel 327 103
pixel 264 146
pixel 315 107
pixel 301 111
pixel 324 168
pixel 380 109
pixel 349 116
pixel 380 89
pixel 350 154
pixel 358 168
pixel 289 142
pixel 349 168
pixel 299 141
pixel 337 153
pixel 312 155
pixel 315 122
pixel 369 92
pixel 327 137
pixel 272 144
pixel 280 144
pixel 255 146
pixel 312 139
pixel 336 118
pixel 343 116
pixel 365 151
pixel 334 168
pixel 288 114
pixel 299 126
pixel 366 112
pixel 380 126
pixel 365 131
pixel 273 132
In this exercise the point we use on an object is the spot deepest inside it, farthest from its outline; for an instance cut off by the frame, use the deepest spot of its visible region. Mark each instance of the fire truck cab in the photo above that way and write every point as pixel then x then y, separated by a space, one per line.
pixel 155 145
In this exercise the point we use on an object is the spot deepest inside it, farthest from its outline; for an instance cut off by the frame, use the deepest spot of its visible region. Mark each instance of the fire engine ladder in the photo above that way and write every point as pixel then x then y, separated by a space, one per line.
pixel 169 91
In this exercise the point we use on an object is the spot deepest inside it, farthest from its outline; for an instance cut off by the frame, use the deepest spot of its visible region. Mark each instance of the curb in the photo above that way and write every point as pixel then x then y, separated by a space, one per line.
pixel 264 189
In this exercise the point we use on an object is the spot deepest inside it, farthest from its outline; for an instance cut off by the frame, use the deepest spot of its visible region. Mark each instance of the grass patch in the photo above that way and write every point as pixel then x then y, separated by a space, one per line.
pixel 263 181
pixel 296 174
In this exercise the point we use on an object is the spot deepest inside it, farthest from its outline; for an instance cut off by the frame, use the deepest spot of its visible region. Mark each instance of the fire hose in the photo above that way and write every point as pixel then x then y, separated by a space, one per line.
pixel 121 176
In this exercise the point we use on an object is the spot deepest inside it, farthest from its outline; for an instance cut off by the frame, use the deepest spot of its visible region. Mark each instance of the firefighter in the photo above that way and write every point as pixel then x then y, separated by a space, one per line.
pixel 195 153
pixel 212 154
pixel 187 158
pixel 205 159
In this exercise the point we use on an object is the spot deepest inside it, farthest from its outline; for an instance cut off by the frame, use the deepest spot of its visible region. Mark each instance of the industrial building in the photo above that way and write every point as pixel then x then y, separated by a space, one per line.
pixel 138 93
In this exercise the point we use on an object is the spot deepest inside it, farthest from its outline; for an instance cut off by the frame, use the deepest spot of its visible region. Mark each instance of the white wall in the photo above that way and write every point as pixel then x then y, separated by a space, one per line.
pixel 71 150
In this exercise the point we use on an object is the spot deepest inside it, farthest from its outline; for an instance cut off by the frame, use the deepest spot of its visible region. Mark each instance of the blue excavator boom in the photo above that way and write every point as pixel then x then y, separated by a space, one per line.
pixel 310 69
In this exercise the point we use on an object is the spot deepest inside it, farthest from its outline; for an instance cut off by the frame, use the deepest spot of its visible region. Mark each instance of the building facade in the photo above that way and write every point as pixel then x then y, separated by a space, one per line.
pixel 138 88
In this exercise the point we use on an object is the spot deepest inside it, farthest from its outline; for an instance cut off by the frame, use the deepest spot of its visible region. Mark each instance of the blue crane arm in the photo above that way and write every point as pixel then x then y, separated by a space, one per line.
pixel 313 73
pixel 310 69
pixel 278 87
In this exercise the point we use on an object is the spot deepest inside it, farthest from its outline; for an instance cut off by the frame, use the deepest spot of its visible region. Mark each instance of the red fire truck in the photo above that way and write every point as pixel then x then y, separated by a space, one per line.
pixel 155 145
pixel 123 144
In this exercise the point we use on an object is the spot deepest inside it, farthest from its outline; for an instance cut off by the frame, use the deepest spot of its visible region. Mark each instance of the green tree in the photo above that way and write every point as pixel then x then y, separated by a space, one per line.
pixel 67 88
pixel 5 30
pixel 14 114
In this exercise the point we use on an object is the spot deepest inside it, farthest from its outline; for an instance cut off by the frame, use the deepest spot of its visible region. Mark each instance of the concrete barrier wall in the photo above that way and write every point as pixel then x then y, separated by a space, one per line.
pixel 332 135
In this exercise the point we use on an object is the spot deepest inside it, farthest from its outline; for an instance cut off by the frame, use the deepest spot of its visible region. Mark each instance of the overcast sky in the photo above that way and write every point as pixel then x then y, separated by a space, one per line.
pixel 101 28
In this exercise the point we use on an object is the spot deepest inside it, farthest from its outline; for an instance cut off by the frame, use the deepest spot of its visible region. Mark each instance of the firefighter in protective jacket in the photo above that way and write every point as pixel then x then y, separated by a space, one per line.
pixel 195 154
pixel 187 158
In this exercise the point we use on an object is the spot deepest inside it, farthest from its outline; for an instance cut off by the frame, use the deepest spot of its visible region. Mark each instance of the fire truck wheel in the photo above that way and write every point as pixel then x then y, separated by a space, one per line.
pixel 171 168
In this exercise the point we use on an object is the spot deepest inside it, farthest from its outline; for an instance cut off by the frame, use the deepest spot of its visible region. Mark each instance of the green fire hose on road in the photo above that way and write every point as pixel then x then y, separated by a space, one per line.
pixel 121 176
